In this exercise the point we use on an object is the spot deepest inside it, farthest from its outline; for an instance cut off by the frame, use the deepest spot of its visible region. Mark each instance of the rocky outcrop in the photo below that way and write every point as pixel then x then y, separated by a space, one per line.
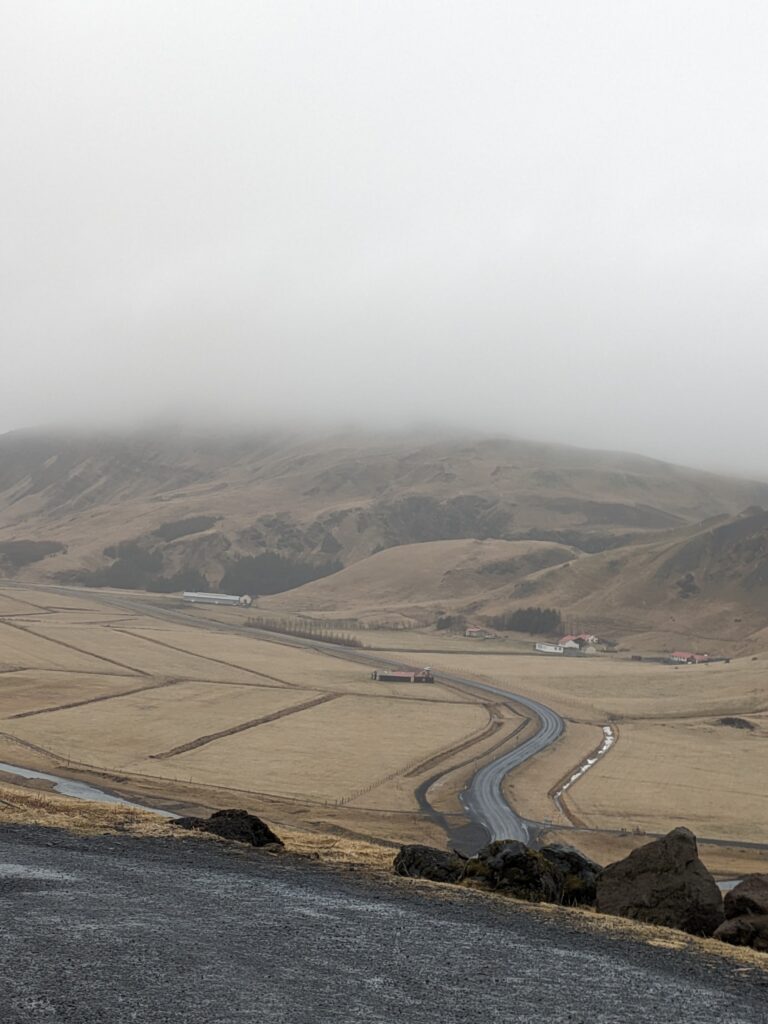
pixel 233 824
pixel 747 930
pixel 578 874
pixel 750 896
pixel 414 861
pixel 746 911
pixel 663 883
pixel 512 866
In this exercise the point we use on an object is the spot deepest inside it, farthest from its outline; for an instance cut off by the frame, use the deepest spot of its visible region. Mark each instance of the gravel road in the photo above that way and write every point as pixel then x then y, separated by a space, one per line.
pixel 116 929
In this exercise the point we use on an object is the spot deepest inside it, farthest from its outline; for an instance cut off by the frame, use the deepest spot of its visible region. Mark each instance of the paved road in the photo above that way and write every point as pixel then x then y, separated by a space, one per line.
pixel 484 800
pixel 110 930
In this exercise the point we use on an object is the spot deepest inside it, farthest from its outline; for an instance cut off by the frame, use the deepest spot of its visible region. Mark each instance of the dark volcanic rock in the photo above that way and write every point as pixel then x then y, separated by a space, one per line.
pixel 747 930
pixel 416 861
pixel 664 883
pixel 511 865
pixel 579 873
pixel 233 824
pixel 750 896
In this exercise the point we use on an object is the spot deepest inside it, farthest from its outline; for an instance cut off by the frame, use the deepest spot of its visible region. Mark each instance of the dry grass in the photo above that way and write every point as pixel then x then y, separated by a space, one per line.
pixel 330 752
pixel 414 574
pixel 124 731
pixel 35 689
pixel 22 649
pixel 605 687
pixel 711 776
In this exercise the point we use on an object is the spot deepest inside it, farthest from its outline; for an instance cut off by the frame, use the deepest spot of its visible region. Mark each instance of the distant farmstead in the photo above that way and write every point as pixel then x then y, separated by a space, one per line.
pixel 191 597
pixel 688 658
pixel 579 640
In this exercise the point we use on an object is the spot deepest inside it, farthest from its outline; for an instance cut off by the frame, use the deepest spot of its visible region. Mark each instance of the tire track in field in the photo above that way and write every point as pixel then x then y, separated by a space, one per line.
pixel 206 657
pixel 80 650
pixel 201 741
pixel 95 700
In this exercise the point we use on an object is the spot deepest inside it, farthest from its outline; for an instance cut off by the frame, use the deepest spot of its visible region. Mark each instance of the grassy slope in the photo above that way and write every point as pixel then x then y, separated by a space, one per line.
pixel 342 496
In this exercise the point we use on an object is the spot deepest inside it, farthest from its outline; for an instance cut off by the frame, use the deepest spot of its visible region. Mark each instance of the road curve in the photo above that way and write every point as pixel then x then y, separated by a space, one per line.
pixel 483 800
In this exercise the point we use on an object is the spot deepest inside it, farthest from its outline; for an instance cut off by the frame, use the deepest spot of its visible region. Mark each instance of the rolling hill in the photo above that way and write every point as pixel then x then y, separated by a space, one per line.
pixel 703 586
pixel 484 524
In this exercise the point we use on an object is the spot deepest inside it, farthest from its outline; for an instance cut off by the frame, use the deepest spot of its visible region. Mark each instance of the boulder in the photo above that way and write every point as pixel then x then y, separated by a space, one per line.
pixel 664 883
pixel 750 896
pixel 416 861
pixel 510 865
pixel 579 873
pixel 233 824
pixel 747 930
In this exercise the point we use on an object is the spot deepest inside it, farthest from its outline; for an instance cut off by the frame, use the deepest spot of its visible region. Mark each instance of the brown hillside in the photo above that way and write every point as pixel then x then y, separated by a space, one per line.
pixel 419 577
pixel 147 509
pixel 702 587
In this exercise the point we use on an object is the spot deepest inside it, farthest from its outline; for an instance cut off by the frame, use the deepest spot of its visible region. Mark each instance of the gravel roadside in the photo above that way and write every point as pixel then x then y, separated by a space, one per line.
pixel 117 929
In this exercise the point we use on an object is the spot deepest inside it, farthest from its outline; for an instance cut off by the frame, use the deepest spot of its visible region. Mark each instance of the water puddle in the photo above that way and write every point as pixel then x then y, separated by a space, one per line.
pixel 79 790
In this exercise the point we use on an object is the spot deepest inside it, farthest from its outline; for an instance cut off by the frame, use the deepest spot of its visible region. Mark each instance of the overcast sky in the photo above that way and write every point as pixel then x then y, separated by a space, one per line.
pixel 548 218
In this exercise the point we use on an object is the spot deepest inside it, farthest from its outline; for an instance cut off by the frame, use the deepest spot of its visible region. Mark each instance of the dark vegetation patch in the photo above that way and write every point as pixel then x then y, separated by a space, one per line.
pixel 184 527
pixel 418 518
pixel 737 723
pixel 589 541
pixel 454 623
pixel 529 620
pixel 135 567
pixel 15 554
pixel 611 513
pixel 271 573
pixel 522 565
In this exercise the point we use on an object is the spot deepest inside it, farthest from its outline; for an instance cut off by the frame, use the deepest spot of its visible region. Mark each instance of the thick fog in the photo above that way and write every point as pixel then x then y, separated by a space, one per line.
pixel 548 219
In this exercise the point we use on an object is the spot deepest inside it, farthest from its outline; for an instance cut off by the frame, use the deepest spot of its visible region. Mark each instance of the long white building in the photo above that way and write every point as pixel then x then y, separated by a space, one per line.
pixel 192 597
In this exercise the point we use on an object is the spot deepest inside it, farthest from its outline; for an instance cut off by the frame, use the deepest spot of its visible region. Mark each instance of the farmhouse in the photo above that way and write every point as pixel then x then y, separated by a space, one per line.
pixel 688 658
pixel 579 640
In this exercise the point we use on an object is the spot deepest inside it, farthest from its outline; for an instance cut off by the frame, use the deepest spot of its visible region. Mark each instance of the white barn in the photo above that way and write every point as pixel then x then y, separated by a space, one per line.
pixel 192 597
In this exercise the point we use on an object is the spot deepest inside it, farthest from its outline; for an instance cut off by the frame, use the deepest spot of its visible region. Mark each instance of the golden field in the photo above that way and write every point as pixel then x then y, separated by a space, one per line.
pixel 163 702
pixel 165 707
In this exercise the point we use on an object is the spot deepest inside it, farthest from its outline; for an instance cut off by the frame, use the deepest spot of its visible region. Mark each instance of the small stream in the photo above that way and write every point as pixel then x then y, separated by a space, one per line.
pixel 79 790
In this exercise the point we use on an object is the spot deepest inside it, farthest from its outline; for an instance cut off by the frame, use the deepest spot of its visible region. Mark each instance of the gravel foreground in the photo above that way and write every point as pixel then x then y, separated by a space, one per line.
pixel 121 929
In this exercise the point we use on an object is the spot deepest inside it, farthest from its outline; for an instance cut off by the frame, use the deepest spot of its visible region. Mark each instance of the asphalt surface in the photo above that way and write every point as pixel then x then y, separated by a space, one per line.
pixel 115 929
pixel 484 799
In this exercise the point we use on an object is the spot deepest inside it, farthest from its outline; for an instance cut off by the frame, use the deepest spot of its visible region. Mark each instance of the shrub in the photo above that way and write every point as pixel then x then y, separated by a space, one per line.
pixel 529 620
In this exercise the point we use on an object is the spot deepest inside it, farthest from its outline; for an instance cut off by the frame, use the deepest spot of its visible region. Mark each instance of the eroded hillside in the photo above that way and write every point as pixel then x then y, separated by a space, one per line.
pixel 267 513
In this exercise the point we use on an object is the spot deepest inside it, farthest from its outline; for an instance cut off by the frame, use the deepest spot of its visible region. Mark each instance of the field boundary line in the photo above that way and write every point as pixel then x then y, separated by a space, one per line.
pixel 80 650
pixel 243 726
pixel 204 657
pixel 96 700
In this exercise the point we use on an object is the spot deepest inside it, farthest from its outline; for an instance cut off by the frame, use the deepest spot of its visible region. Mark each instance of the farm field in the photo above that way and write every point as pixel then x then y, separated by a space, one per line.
pixel 600 688
pixel 672 762
pixel 176 711
pixel 330 752
pixel 717 773
pixel 161 706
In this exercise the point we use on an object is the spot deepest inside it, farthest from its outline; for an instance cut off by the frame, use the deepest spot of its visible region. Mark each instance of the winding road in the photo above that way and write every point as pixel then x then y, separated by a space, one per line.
pixel 483 800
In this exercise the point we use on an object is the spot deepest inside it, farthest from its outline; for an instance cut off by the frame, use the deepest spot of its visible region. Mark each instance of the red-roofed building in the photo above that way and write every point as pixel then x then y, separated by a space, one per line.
pixel 688 658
